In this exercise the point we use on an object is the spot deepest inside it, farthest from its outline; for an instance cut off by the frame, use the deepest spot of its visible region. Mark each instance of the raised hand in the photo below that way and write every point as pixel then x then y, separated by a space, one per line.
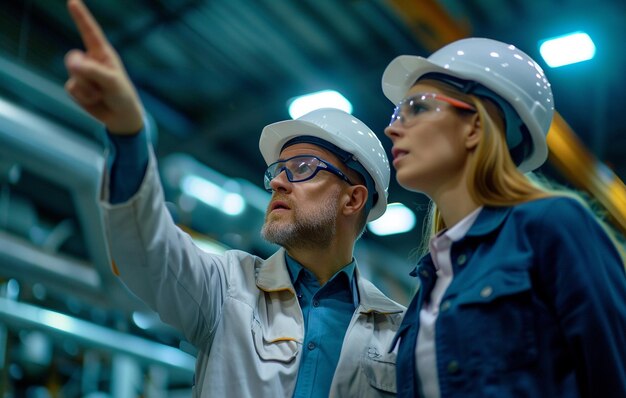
pixel 97 79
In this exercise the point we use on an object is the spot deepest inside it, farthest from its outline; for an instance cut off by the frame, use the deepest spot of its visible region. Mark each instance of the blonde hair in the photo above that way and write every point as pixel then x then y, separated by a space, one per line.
pixel 493 178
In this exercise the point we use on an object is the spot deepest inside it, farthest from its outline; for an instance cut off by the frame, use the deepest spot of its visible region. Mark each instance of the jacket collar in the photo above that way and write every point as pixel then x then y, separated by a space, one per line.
pixel 373 300
pixel 489 219
pixel 273 276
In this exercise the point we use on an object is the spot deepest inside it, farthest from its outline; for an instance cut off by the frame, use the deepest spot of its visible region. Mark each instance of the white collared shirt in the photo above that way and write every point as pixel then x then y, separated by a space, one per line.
pixel 425 353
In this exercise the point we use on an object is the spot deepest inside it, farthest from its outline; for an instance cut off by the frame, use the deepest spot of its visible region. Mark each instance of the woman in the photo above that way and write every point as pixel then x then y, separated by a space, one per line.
pixel 523 293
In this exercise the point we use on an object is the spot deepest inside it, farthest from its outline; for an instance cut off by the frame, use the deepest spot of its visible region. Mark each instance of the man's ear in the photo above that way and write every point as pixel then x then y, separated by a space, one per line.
pixel 356 200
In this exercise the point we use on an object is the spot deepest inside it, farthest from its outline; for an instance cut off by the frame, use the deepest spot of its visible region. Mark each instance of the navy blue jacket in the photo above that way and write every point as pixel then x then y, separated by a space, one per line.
pixel 537 308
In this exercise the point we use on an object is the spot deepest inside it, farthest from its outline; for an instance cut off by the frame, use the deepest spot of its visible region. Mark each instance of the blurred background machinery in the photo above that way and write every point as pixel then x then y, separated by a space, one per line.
pixel 212 73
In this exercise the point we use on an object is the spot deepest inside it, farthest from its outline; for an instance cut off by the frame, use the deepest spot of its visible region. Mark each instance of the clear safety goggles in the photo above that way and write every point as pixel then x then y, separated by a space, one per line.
pixel 300 168
pixel 410 108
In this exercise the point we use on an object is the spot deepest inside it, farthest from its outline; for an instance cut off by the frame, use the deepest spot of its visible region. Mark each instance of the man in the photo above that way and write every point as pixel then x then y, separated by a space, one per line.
pixel 302 323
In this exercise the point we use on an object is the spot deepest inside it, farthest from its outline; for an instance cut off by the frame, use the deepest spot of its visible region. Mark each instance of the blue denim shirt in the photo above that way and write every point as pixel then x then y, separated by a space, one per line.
pixel 327 313
pixel 537 308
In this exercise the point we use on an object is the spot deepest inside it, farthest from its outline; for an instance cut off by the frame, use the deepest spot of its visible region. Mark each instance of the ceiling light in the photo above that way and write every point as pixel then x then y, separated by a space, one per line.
pixel 567 49
pixel 212 194
pixel 299 106
pixel 397 219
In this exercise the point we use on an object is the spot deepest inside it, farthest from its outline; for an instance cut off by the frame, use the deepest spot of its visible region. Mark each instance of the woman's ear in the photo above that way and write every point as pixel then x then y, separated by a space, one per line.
pixel 356 200
pixel 474 132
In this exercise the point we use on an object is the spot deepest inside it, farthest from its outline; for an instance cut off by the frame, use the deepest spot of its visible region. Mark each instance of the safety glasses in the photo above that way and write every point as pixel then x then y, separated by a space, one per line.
pixel 410 108
pixel 300 168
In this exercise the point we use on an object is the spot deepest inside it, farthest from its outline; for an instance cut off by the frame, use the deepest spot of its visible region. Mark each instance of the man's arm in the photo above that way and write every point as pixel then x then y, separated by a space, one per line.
pixel 99 83
pixel 155 259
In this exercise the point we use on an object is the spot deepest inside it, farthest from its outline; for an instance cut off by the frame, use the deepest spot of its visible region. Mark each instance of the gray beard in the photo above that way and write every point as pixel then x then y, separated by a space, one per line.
pixel 314 229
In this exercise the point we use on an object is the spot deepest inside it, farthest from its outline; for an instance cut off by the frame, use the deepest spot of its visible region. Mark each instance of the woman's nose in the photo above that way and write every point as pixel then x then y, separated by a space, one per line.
pixel 393 131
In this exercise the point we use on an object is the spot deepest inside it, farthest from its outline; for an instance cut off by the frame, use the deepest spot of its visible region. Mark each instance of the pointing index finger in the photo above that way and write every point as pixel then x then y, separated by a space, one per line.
pixel 90 31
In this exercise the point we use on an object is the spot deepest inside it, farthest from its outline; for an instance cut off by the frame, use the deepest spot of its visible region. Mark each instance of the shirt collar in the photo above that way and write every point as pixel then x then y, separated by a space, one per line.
pixel 458 230
pixel 274 275
pixel 478 222
pixel 444 239
pixel 295 269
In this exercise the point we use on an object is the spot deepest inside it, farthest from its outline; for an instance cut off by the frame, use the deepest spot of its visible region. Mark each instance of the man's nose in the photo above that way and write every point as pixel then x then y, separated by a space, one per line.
pixel 281 182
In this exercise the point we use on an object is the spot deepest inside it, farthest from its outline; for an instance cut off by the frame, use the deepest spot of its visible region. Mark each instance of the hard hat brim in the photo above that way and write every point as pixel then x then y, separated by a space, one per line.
pixel 402 73
pixel 275 135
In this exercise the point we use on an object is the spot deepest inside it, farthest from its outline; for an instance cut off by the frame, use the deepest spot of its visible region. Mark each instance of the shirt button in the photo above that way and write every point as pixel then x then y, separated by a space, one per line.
pixel 462 259
pixel 445 306
pixel 424 273
pixel 311 346
pixel 316 303
pixel 486 291
pixel 453 367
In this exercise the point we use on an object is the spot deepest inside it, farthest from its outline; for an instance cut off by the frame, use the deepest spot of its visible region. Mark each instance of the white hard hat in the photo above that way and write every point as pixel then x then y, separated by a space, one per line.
pixel 501 68
pixel 344 131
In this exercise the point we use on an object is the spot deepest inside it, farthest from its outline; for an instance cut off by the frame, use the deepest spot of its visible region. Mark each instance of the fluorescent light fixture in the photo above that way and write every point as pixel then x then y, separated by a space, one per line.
pixel 298 106
pixel 567 49
pixel 397 219
pixel 230 203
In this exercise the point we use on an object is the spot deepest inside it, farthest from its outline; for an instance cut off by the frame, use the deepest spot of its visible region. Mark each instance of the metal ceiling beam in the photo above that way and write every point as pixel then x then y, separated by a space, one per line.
pixel 573 159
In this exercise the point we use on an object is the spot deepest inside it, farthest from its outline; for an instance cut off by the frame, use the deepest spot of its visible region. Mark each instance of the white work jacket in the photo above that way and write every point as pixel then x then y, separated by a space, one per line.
pixel 240 311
